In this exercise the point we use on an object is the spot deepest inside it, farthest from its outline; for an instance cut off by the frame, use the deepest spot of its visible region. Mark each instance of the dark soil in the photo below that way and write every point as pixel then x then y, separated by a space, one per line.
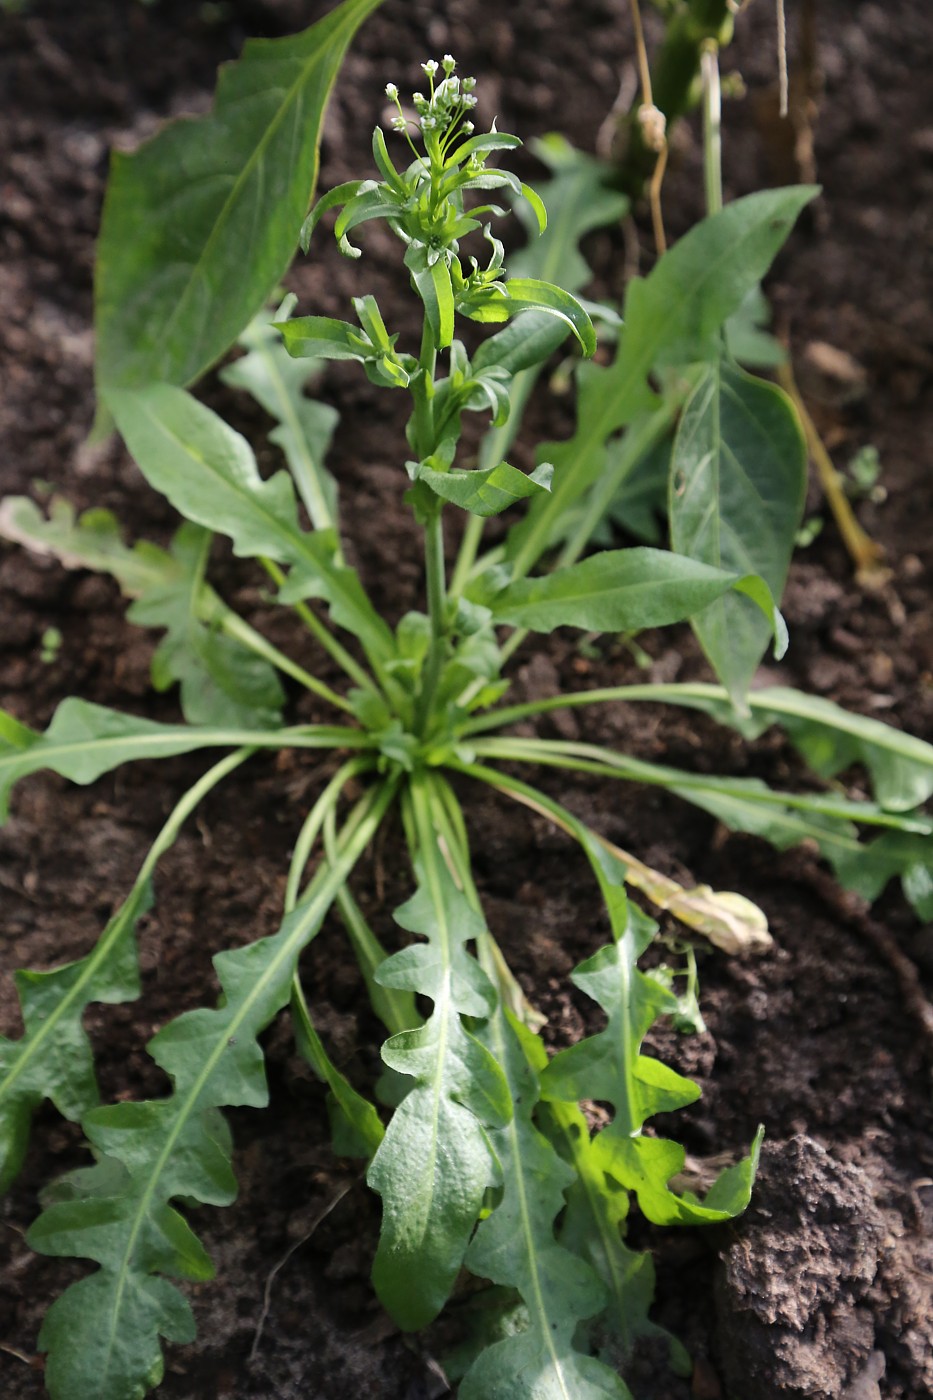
pixel 823 1290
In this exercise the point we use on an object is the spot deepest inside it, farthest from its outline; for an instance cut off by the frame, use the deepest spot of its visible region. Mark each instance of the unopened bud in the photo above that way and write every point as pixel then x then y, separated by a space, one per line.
pixel 391 91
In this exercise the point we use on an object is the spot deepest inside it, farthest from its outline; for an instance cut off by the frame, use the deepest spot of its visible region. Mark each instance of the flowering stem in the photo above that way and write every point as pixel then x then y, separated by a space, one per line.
pixel 435 576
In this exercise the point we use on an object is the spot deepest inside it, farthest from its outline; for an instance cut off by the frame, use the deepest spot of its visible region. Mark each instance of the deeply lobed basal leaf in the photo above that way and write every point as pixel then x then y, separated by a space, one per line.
pixel 222 681
pixel 610 1067
pixel 516 1246
pixel 210 475
pixel 53 1058
pixel 436 1161
pixel 102 1334
pixel 85 740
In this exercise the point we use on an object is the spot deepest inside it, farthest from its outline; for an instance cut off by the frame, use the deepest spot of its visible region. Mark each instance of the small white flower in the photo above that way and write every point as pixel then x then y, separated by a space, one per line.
pixel 468 128
pixel 469 100
pixel 469 84
pixel 450 63
pixel 391 91
pixel 428 123
pixel 430 67
pixel 399 124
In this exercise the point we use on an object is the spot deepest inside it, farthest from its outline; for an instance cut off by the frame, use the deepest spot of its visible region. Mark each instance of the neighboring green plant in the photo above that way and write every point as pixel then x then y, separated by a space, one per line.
pixel 487 1160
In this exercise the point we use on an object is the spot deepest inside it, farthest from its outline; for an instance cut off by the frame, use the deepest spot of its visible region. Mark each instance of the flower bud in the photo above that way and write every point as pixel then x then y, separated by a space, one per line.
pixel 391 91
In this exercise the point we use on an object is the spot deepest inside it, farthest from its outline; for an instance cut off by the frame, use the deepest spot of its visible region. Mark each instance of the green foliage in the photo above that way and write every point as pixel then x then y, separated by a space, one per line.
pixel 673 319
pixel 515 1245
pixel 486 1159
pixel 739 445
pixel 83 741
pixel 53 1059
pixel 622 591
pixel 102 1334
pixel 305 426
pixel 436 1161
pixel 209 473
pixel 200 223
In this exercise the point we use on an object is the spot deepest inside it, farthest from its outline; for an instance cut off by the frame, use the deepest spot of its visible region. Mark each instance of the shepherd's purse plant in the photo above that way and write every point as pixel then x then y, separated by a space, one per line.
pixel 486 1160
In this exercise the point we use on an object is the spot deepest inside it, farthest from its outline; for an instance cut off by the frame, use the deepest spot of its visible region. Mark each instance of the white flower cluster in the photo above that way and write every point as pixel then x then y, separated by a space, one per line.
pixel 445 104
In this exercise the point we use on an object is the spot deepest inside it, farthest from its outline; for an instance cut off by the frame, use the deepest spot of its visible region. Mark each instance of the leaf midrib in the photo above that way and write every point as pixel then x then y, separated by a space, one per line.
pixel 258 153
pixel 290 948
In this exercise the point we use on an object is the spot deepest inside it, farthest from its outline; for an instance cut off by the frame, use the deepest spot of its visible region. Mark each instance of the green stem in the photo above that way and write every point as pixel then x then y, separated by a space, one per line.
pixel 235 626
pixel 355 835
pixel 435 577
pixel 314 821
pixel 513 714
pixel 423 394
pixel 605 763
pixel 493 449
pixel 712 126
pixel 87 969
pixel 448 816
pixel 466 555
pixel 321 634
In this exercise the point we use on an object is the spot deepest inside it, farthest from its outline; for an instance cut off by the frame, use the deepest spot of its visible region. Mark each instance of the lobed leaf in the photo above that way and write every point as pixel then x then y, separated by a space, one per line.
pixel 209 474
pixel 593 1227
pixel 200 223
pixel 436 1161
pixel 356 1128
pixel 222 681
pixel 84 741
pixel 610 1067
pixel 304 426
pixel 830 738
pixel 102 1335
pixel 516 1246
pixel 54 1059
pixel 89 541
